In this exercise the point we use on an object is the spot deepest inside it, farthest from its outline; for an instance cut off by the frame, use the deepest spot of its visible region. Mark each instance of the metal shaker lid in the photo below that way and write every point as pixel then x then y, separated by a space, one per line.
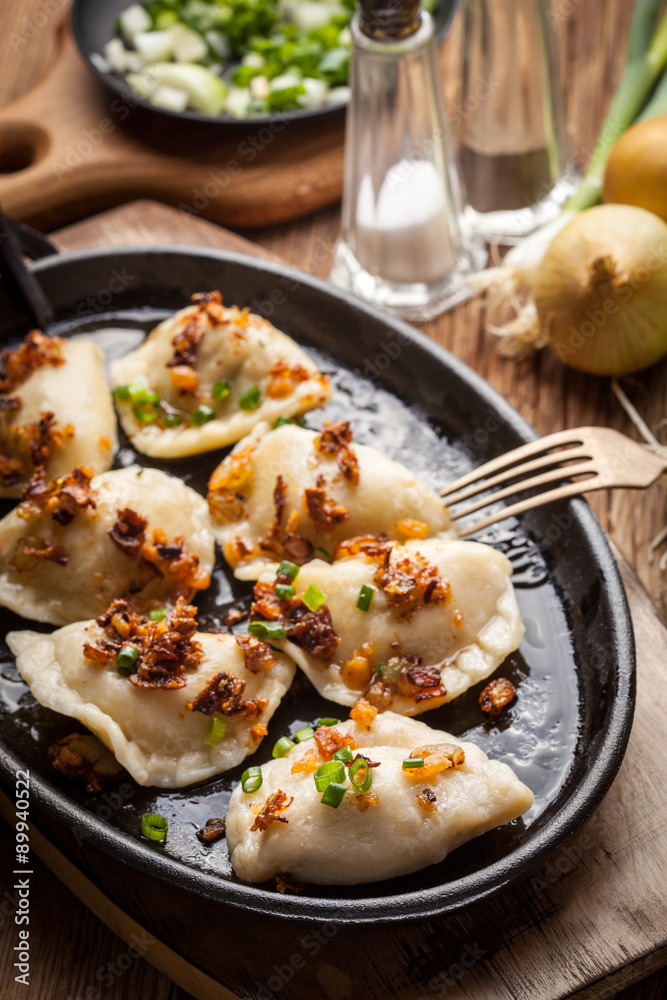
pixel 389 19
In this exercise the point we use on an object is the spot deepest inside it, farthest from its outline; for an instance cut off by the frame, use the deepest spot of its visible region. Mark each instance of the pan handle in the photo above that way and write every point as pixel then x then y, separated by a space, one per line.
pixel 19 281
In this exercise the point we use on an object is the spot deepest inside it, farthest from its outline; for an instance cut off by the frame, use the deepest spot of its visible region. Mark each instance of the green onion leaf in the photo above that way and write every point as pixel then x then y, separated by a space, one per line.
pixel 304 734
pixel 202 415
pixel 154 827
pixel 146 407
pixel 333 794
pixel 285 591
pixel 251 398
pixel 122 392
pixel 251 779
pixel 289 569
pixel 365 597
pixel 313 598
pixel 411 762
pixel 126 661
pixel 221 389
pixel 172 419
pixel 323 554
pixel 344 755
pixel 281 421
pixel 267 630
pixel 215 731
pixel 328 721
pixel 159 614
pixel 381 666
pixel 360 764
pixel 333 770
pixel 282 747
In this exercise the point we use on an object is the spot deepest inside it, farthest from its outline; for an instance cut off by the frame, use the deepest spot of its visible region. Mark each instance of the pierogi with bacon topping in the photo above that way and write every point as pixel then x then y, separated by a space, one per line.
pixel 285 493
pixel 428 793
pixel 183 707
pixel 409 627
pixel 74 544
pixel 56 410
pixel 207 375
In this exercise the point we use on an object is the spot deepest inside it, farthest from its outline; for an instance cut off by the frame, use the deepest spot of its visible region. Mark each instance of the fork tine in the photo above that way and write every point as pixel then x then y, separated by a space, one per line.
pixel 554 458
pixel 530 450
pixel 554 476
pixel 559 493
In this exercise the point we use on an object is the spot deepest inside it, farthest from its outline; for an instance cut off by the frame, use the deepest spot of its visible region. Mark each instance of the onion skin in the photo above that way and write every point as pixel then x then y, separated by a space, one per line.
pixel 601 291
pixel 636 172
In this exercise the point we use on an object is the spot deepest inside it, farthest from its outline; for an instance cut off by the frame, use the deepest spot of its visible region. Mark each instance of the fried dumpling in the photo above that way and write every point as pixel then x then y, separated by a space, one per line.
pixel 206 376
pixel 73 545
pixel 284 493
pixel 195 706
pixel 407 819
pixel 55 410
pixel 441 616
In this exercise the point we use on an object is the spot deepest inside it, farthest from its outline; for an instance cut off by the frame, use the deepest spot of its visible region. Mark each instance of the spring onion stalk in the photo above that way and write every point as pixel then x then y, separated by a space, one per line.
pixel 282 747
pixel 327 722
pixel 333 770
pixel 267 630
pixel 289 569
pixel 411 762
pixel 126 661
pixel 344 755
pixel 304 734
pixel 360 764
pixel 215 731
pixel 158 614
pixel 251 780
pixel 285 591
pixel 313 598
pixel 154 827
pixel 334 794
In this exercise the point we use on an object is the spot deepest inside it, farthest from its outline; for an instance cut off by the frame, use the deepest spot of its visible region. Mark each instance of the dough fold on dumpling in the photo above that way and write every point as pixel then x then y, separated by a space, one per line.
pixel 396 831
pixel 69 549
pixel 442 616
pixel 235 364
pixel 150 730
pixel 283 493
pixel 55 410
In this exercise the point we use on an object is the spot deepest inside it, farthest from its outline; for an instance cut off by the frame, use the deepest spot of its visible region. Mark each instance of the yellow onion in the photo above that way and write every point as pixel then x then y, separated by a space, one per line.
pixel 636 172
pixel 601 290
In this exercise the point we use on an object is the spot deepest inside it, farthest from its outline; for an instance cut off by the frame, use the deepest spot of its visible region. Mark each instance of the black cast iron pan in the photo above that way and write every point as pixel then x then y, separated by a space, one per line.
pixel 575 671
pixel 94 23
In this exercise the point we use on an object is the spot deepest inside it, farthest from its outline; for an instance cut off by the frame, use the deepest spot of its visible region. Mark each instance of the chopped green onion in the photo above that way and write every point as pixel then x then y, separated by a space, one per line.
pixel 344 755
pixel 285 591
pixel 172 419
pixel 202 415
pixel 381 666
pixel 221 389
pixel 313 598
pixel 140 473
pixel 358 764
pixel 126 661
pixel 323 554
pixel 251 398
pixel 146 406
pixel 328 721
pixel 154 827
pixel 333 794
pixel 304 734
pixel 365 597
pixel 251 779
pixel 281 421
pixel 411 762
pixel 283 746
pixel 333 770
pixel 215 731
pixel 121 392
pixel 159 614
pixel 289 569
pixel 267 630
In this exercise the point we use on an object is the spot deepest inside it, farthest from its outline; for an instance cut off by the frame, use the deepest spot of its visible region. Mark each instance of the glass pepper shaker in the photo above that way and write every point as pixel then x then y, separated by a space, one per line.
pixel 512 140
pixel 404 245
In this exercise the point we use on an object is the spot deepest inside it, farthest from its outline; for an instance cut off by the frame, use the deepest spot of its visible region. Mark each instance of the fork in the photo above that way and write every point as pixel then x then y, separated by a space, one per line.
pixel 604 457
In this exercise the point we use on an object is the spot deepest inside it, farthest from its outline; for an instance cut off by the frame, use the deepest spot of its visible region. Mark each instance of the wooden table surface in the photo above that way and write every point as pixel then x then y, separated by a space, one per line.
pixel 591 35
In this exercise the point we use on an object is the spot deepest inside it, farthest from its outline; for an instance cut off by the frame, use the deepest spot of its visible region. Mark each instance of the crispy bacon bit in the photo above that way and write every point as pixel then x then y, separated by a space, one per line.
pixel 186 344
pixel 357 672
pixel 235 615
pixel 60 499
pixel 336 439
pixel 284 378
pixel 496 697
pixel 362 802
pixel 258 732
pixel 167 649
pixel 185 379
pixel 420 683
pixel 410 528
pixel 210 304
pixel 324 510
pixel 37 547
pixel 223 695
pixel 285 883
pixel 35 352
pixel 308 763
pixel 329 740
pixel 380 695
pixel 10 404
pixel 82 755
pixel 235 472
pixel 226 507
pixel 297 549
pixel 11 471
pixel 214 830
pixel 128 532
pixel 363 713
pixel 373 547
pixel 171 560
pixel 312 630
pixel 427 800
pixel 276 803
pixel 457 620
pixel 437 758
pixel 410 582
pixel 258 656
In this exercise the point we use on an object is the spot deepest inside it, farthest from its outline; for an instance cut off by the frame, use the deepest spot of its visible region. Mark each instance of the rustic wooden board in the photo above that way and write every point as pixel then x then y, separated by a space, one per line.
pixel 592 921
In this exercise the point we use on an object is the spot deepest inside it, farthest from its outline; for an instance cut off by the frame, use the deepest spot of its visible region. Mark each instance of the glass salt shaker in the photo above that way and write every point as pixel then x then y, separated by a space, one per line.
pixel 510 120
pixel 404 245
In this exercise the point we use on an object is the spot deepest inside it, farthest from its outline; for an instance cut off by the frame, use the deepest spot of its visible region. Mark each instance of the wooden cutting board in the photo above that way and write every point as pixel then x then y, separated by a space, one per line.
pixel 591 921
pixel 69 148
